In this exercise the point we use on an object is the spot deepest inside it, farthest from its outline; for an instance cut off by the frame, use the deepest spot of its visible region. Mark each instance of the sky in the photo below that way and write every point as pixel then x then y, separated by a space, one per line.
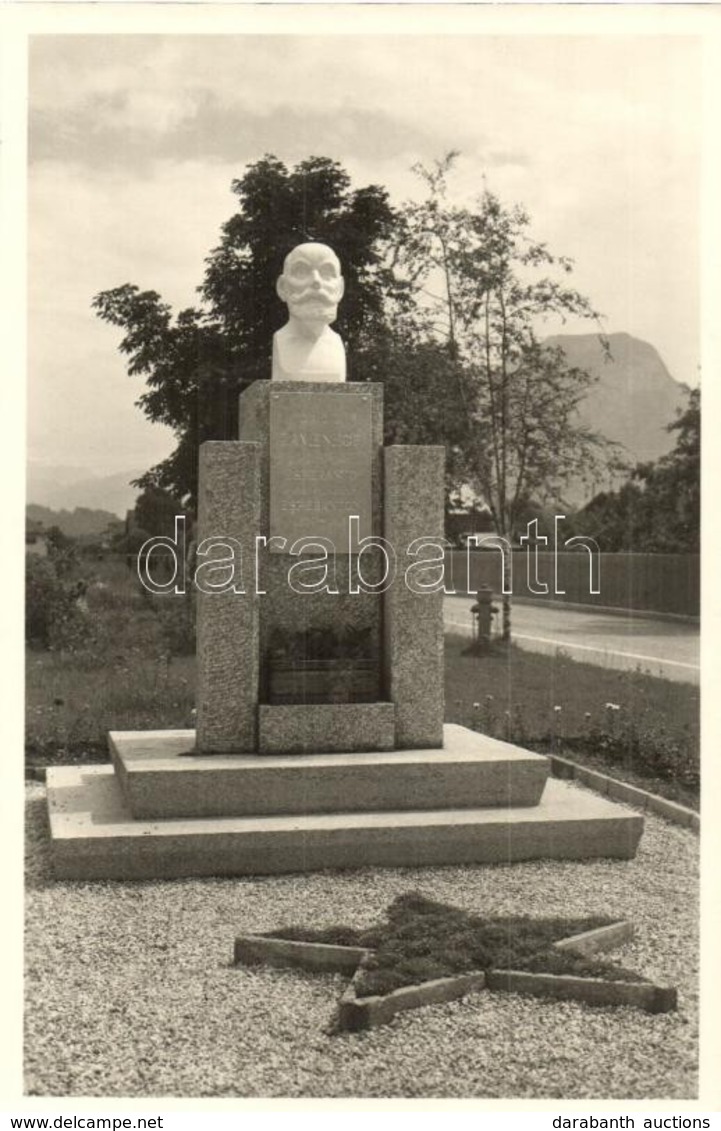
pixel 134 141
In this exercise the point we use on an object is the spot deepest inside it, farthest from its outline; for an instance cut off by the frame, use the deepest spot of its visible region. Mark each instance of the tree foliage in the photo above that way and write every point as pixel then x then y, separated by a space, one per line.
pixel 197 363
pixel 156 510
pixel 487 286
pixel 54 616
pixel 421 394
pixel 658 509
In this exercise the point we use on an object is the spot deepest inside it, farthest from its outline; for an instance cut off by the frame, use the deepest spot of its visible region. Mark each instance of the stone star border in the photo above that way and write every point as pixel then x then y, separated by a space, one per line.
pixel 358 1012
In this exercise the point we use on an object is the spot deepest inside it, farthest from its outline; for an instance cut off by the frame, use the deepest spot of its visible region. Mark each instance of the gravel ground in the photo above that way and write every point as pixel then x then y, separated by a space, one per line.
pixel 130 989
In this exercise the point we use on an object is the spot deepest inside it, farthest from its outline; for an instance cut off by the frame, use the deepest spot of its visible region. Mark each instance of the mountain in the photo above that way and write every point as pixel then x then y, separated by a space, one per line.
pixel 76 524
pixel 635 397
pixel 65 488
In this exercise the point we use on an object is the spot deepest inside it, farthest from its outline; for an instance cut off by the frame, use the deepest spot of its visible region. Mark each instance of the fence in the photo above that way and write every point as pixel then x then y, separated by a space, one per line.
pixel 659 583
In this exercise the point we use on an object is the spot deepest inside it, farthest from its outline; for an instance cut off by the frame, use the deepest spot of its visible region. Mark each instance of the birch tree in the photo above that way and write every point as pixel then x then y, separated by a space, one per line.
pixel 485 287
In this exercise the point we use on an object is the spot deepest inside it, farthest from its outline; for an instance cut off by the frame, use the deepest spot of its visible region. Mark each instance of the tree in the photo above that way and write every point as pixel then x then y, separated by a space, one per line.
pixel 62 551
pixel 679 476
pixel 421 395
pixel 486 289
pixel 156 510
pixel 658 509
pixel 197 363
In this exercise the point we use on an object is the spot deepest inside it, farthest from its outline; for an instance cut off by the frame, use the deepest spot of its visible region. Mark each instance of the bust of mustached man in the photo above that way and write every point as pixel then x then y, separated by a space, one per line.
pixel 306 349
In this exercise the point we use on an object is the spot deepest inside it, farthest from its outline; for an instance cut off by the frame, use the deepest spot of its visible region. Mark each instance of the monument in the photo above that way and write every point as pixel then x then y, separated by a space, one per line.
pixel 320 738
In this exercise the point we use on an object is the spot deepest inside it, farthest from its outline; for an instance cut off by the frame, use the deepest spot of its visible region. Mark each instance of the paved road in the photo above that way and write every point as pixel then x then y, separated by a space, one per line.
pixel 667 648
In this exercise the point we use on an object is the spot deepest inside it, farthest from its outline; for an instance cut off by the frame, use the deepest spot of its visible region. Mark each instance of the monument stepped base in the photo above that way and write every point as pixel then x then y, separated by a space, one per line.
pixel 95 834
pixel 162 777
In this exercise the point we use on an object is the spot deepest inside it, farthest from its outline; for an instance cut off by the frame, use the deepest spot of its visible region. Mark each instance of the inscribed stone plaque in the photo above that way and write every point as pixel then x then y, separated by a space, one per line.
pixel 320 467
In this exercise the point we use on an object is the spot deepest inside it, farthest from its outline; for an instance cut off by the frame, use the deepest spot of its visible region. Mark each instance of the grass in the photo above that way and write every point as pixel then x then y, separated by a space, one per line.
pixel 421 940
pixel 134 673
pixel 634 726
pixel 123 678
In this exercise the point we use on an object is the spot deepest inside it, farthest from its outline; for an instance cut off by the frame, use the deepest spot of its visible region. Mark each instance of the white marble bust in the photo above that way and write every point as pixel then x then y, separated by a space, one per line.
pixel 306 349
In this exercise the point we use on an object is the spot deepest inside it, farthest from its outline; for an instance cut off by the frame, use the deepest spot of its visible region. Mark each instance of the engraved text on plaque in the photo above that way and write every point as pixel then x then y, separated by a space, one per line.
pixel 320 461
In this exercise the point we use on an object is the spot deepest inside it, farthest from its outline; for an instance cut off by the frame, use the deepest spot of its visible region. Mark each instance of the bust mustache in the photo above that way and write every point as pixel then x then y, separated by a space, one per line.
pixel 312 299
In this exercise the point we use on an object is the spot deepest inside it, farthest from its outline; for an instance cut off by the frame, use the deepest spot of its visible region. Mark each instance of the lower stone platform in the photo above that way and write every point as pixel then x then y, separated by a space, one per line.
pixel 94 835
pixel 162 776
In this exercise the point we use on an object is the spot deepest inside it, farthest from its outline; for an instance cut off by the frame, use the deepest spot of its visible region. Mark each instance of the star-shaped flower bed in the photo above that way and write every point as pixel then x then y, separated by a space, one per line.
pixel 427 952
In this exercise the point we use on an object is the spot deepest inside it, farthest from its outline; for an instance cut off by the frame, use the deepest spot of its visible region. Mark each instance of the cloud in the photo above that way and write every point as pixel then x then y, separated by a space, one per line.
pixel 107 100
pixel 461 92
pixel 206 128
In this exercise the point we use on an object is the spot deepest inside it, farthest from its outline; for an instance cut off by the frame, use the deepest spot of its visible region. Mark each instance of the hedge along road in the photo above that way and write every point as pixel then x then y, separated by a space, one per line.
pixel 667 648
